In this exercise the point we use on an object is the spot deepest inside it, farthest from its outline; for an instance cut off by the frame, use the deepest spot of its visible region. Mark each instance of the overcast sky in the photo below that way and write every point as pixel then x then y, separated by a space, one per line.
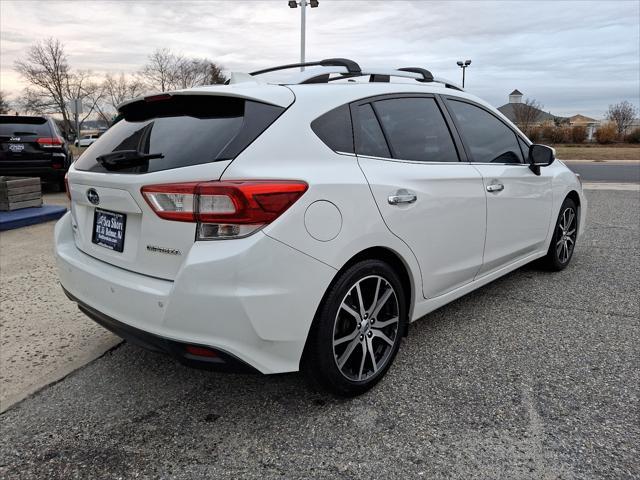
pixel 571 56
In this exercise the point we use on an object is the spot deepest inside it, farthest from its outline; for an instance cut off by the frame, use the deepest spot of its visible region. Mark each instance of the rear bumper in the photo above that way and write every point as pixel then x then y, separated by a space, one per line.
pixel 223 361
pixel 253 299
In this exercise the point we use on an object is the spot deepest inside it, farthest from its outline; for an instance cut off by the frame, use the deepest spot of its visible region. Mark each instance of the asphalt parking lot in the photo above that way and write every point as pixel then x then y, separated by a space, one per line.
pixel 536 375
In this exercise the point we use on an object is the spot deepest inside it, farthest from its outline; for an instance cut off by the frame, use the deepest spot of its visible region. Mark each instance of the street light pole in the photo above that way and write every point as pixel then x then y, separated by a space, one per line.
pixel 303 4
pixel 463 66
pixel 303 28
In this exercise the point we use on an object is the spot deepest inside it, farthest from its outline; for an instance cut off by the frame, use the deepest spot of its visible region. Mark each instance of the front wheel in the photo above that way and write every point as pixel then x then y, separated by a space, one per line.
pixel 358 329
pixel 563 242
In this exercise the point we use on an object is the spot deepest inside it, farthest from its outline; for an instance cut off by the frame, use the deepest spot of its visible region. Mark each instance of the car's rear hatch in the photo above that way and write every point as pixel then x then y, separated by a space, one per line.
pixel 191 136
pixel 25 142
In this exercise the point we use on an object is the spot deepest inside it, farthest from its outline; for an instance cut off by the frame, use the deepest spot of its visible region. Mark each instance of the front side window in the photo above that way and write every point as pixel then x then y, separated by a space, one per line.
pixel 524 147
pixel 487 138
pixel 416 130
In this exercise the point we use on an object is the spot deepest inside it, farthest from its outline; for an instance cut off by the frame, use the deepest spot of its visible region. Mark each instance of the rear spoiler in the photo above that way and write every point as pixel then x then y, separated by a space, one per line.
pixel 258 92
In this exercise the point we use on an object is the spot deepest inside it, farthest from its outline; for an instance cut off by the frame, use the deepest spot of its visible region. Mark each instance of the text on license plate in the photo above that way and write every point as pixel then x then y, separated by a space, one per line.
pixel 108 229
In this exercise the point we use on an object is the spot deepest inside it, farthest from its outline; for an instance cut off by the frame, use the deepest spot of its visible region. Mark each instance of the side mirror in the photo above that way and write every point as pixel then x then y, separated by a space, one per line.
pixel 540 156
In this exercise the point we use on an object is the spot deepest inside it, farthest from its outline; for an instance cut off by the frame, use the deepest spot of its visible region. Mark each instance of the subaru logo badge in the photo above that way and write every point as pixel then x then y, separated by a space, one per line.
pixel 93 196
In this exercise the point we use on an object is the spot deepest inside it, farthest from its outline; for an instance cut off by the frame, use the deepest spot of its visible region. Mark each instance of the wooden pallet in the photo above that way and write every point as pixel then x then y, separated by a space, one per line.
pixel 19 192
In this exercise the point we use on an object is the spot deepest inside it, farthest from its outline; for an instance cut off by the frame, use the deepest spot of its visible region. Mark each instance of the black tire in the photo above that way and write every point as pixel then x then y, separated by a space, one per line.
pixel 563 241
pixel 371 353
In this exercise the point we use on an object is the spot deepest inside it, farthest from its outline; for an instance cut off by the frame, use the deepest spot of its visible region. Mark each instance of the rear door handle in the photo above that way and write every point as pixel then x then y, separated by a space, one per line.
pixel 495 187
pixel 402 196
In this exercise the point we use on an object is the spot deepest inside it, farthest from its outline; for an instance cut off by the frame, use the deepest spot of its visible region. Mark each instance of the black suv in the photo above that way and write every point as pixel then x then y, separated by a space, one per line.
pixel 33 146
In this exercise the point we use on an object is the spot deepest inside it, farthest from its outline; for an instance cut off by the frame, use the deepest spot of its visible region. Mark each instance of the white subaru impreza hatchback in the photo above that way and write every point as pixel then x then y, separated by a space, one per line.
pixel 302 225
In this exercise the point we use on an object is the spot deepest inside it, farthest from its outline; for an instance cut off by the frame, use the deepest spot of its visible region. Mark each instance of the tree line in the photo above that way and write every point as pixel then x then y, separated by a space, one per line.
pixel 52 84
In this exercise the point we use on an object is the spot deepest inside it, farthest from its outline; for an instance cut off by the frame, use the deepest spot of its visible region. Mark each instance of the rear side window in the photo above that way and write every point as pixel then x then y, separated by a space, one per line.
pixel 369 138
pixel 488 139
pixel 186 129
pixel 334 129
pixel 416 130
pixel 13 126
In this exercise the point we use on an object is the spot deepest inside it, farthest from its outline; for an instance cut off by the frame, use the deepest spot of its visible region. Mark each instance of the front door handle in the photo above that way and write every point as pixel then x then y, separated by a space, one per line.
pixel 495 187
pixel 402 196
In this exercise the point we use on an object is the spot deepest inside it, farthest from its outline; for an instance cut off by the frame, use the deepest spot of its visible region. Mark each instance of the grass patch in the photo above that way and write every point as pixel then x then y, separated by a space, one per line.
pixel 623 151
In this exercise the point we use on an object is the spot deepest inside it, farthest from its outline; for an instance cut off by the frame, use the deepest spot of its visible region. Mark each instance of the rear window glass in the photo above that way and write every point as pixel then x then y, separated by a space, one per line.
pixel 370 139
pixel 13 126
pixel 334 129
pixel 185 129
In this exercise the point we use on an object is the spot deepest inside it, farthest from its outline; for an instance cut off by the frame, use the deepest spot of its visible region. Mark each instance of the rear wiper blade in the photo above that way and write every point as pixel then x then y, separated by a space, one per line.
pixel 126 158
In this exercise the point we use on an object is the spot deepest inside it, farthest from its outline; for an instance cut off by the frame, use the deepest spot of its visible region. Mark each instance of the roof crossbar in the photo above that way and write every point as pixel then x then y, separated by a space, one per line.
pixel 351 66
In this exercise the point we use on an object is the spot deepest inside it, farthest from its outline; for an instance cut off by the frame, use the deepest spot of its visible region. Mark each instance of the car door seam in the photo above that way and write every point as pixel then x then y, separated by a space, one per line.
pixel 390 230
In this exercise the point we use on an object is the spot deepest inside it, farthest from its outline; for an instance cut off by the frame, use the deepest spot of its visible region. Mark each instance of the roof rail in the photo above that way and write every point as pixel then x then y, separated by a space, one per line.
pixel 351 66
pixel 376 75
pixel 346 68
pixel 426 74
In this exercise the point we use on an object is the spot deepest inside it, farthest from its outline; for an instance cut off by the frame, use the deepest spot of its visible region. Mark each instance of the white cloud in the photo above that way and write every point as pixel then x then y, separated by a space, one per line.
pixel 571 56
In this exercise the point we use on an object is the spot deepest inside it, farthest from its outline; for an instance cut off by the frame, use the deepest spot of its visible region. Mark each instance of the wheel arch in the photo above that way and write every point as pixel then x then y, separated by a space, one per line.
pixel 395 261
pixel 573 195
pixel 389 256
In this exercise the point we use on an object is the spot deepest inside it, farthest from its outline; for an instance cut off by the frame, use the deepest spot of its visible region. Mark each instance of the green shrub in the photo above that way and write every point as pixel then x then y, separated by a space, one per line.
pixel 578 134
pixel 634 136
pixel 607 133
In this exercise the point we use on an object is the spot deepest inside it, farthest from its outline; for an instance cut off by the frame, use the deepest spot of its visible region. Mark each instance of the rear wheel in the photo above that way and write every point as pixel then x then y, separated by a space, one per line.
pixel 564 237
pixel 357 332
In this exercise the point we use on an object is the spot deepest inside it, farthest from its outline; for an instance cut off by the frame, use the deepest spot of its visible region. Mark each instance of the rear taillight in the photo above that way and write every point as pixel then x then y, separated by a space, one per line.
pixel 49 142
pixel 229 209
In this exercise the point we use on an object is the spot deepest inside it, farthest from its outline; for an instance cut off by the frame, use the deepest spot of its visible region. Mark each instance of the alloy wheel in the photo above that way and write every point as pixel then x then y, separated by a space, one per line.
pixel 366 328
pixel 566 235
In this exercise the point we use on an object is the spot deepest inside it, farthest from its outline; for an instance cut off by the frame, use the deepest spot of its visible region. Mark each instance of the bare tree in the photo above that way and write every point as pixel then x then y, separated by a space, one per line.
pixel 527 114
pixel 622 115
pixel 119 89
pixel 168 71
pixel 189 72
pixel 46 69
pixel 159 71
pixel 91 93
pixel 4 103
pixel 35 103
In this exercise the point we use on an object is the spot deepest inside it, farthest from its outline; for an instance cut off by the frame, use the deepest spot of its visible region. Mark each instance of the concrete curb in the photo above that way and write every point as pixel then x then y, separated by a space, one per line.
pixel 40 383
pixel 613 161
pixel 633 187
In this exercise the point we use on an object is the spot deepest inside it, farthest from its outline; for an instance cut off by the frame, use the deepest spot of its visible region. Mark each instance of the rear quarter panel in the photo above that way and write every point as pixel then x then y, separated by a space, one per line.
pixel 291 150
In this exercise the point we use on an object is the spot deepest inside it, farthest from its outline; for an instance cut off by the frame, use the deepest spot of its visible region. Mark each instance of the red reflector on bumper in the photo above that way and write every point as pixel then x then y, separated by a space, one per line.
pixel 201 351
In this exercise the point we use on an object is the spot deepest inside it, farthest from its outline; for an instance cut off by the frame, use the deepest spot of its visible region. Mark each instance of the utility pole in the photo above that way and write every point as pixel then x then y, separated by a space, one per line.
pixel 303 23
